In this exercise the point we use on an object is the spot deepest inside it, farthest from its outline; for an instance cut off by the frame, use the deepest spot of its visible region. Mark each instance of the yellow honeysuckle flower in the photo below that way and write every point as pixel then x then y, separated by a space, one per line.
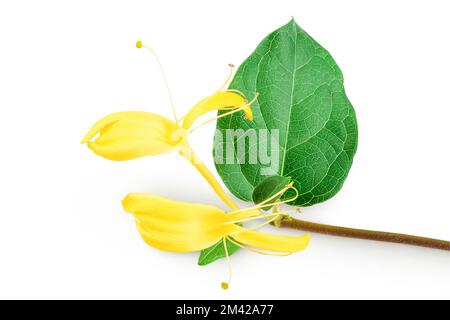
pixel 186 227
pixel 129 135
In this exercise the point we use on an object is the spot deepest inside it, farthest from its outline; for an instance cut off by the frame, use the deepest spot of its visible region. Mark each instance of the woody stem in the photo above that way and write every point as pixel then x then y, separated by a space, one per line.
pixel 365 234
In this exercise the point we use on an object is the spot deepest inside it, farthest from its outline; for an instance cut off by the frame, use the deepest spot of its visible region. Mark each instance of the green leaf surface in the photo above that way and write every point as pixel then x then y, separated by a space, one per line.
pixel 301 93
pixel 268 188
pixel 216 252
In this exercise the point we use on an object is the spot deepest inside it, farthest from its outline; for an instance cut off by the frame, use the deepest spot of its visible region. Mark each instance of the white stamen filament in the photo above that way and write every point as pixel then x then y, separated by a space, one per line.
pixel 226 284
pixel 141 45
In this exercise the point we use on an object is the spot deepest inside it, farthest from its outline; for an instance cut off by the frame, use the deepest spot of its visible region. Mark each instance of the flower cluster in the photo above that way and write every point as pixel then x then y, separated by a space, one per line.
pixel 175 226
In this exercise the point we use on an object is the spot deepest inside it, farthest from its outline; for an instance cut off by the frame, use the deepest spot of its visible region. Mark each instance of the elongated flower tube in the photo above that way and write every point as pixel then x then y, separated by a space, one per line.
pixel 129 135
pixel 186 227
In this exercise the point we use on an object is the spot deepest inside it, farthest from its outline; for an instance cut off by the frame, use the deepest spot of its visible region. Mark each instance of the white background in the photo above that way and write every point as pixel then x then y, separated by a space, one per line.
pixel 65 64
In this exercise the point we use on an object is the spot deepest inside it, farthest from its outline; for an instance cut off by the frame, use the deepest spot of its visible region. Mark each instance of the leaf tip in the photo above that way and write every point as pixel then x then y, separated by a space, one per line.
pixel 201 260
pixel 292 23
pixel 201 263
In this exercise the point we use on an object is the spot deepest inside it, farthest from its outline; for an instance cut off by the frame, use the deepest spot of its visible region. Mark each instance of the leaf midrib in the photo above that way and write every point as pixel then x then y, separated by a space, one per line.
pixel 291 104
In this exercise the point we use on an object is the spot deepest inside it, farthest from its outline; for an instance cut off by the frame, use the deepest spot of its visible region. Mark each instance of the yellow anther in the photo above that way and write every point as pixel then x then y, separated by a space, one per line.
pixel 225 246
pixel 139 44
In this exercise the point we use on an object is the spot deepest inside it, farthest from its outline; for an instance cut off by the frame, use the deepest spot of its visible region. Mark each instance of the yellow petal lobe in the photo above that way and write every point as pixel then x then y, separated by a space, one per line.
pixel 133 134
pixel 271 242
pixel 176 226
pixel 221 100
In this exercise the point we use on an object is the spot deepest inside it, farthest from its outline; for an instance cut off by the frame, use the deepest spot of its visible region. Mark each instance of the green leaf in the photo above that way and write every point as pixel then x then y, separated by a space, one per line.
pixel 216 252
pixel 268 188
pixel 301 94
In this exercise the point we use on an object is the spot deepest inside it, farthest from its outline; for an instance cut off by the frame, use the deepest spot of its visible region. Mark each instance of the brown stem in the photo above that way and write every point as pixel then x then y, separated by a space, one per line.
pixel 365 234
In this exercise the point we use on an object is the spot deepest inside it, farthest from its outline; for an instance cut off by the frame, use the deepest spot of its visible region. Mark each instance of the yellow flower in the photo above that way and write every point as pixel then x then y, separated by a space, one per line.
pixel 178 226
pixel 186 227
pixel 132 134
pixel 129 135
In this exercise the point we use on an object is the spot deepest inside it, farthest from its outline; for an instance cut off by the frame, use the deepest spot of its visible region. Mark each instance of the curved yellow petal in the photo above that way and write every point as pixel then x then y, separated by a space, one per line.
pixel 221 100
pixel 158 206
pixel 271 242
pixel 132 134
pixel 180 242
pixel 176 226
